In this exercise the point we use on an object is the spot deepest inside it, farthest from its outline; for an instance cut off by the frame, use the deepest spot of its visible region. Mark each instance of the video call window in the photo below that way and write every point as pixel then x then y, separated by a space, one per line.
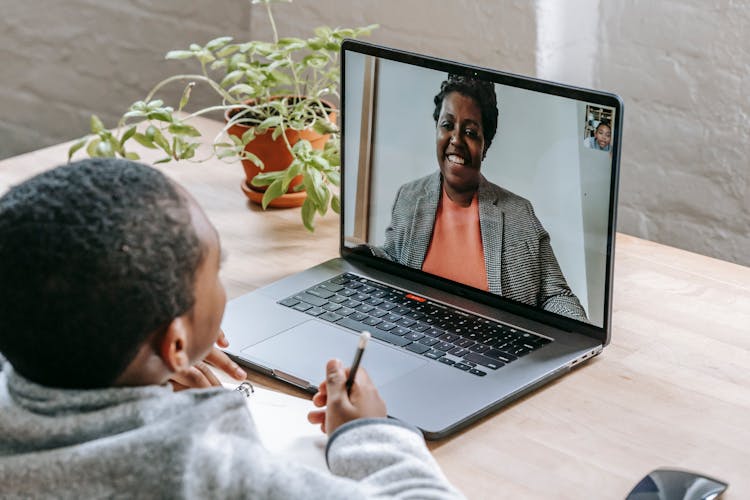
pixel 485 184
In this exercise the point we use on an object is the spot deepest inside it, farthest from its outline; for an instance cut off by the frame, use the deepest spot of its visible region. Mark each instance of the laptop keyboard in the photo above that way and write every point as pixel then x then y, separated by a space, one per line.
pixel 466 342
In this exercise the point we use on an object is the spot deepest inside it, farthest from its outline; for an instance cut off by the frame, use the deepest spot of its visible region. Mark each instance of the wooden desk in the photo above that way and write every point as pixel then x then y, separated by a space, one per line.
pixel 672 389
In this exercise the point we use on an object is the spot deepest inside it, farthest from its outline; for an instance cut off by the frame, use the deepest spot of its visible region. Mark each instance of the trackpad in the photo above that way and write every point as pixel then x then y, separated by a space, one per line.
pixel 303 351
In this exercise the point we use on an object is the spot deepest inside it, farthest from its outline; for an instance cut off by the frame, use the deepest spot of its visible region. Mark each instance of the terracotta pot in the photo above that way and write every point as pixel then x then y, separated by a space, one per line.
pixel 275 157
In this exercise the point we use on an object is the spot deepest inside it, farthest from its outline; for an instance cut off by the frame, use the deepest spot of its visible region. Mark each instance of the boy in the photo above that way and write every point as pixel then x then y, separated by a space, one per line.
pixel 109 288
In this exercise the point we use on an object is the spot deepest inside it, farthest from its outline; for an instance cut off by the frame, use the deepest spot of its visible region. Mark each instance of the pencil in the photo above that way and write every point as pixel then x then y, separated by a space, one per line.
pixel 363 338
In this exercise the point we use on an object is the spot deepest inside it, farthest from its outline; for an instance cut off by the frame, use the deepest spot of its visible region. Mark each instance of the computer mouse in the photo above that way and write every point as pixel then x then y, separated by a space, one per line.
pixel 673 484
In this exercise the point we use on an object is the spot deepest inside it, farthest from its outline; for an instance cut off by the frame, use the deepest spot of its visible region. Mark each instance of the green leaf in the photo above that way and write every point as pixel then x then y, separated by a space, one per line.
pixel 163 160
pixel 250 156
pixel 179 54
pixel 276 133
pixel 232 77
pixel 242 88
pixel 218 43
pixel 144 141
pixel 91 148
pixel 75 147
pixel 161 115
pixel 336 204
pixel 308 212
pixel 228 50
pixel 132 156
pixel 162 142
pixel 266 178
pixel 271 121
pixel 186 95
pixel 184 129
pixel 334 177
pixel 272 192
pixel 127 135
pixel 248 136
pixel 134 114
pixel 96 125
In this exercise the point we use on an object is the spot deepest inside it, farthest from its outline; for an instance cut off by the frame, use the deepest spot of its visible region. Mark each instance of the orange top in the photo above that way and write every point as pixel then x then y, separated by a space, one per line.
pixel 455 250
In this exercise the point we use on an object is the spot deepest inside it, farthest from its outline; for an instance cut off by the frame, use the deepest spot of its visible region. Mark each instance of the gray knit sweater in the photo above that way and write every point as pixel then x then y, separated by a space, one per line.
pixel 149 442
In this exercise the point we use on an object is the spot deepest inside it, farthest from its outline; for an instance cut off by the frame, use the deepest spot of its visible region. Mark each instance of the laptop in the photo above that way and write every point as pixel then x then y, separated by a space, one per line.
pixel 476 246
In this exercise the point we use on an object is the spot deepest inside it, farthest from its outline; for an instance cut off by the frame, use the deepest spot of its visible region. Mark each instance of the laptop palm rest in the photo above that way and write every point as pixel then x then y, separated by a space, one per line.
pixel 308 346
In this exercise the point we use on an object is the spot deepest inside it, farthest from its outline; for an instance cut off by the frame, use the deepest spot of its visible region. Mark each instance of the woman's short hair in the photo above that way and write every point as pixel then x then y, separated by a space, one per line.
pixel 482 91
pixel 604 123
pixel 94 256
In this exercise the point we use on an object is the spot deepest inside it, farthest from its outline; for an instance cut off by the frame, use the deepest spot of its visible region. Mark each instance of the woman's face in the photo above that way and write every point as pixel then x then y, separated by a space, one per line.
pixel 603 135
pixel 460 143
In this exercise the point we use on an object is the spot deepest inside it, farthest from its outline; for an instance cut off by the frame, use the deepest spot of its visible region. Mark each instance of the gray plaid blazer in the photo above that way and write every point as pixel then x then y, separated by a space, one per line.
pixel 518 257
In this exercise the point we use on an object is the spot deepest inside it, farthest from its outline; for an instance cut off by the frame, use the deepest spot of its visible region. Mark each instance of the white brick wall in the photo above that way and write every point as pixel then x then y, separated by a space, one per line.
pixel 681 67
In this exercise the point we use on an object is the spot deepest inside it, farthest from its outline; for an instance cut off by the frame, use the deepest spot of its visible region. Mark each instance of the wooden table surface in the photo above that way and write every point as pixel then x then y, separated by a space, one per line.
pixel 671 390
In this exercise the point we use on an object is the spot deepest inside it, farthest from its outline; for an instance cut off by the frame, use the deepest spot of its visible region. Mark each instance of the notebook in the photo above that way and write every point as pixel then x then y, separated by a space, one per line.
pixel 478 214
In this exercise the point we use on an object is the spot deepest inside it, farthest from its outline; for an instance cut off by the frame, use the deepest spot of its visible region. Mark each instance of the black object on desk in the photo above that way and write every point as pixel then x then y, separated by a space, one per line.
pixel 671 484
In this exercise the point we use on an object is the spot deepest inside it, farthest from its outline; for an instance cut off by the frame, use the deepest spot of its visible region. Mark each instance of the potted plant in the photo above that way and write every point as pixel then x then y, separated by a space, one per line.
pixel 275 96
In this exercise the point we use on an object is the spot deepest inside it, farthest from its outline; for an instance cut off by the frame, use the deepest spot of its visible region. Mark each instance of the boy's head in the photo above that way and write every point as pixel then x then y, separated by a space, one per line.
pixel 104 262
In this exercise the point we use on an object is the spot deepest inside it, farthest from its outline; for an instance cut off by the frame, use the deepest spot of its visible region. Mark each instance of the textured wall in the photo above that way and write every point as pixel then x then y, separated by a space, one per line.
pixel 681 67
pixel 62 61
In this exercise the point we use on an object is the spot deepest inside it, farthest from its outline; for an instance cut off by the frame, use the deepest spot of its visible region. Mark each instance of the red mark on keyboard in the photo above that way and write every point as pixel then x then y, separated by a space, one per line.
pixel 414 297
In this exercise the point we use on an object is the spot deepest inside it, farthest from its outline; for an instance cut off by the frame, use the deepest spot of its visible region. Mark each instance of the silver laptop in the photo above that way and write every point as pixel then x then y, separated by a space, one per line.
pixel 477 239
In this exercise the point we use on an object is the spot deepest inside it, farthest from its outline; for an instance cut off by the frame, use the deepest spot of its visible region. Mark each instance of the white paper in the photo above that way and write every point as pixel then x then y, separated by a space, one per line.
pixel 282 424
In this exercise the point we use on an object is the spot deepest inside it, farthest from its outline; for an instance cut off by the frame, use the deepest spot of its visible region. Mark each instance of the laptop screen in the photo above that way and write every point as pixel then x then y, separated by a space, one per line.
pixel 497 182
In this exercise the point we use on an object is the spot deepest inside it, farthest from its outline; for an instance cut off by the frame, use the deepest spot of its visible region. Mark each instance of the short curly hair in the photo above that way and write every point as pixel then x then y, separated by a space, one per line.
pixel 482 91
pixel 94 257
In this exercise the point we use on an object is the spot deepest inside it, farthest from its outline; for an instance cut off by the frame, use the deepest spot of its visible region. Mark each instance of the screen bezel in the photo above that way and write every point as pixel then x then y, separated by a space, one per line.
pixel 602 333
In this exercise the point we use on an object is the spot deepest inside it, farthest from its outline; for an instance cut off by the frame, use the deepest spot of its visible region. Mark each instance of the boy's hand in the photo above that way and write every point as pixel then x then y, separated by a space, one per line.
pixel 363 401
pixel 200 375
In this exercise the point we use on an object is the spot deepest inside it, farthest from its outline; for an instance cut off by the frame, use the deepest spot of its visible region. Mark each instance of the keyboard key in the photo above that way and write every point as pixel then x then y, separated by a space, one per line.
pixel 351 303
pixel 302 306
pixel 365 308
pixel 446 361
pixel 374 301
pixel 289 302
pixel 413 336
pixel 311 299
pixel 444 346
pixel 387 306
pixel 331 287
pixel 484 361
pixel 378 313
pixel 434 354
pixel 479 373
pixel 372 321
pixel 385 326
pixel 434 332
pixel 459 352
pixel 392 318
pixel 329 316
pixel 448 337
pixel 359 316
pixel 480 348
pixel 400 331
pixel 331 306
pixel 465 343
pixel 391 339
pixel 320 292
pixel 338 299
pixel 418 348
pixel 345 311
pixel 419 327
pixel 462 367
pixel 406 322
pixel 429 341
pixel 500 355
pixel 315 311
pixel 347 293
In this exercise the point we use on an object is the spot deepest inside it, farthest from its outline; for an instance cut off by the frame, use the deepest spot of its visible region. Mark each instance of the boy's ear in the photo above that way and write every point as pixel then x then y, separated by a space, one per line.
pixel 173 346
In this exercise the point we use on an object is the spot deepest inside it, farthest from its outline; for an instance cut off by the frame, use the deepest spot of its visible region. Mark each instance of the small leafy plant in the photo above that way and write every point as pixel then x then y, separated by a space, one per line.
pixel 266 86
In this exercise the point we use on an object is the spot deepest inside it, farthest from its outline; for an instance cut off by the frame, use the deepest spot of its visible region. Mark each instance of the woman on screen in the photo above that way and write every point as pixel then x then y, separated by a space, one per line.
pixel 456 224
